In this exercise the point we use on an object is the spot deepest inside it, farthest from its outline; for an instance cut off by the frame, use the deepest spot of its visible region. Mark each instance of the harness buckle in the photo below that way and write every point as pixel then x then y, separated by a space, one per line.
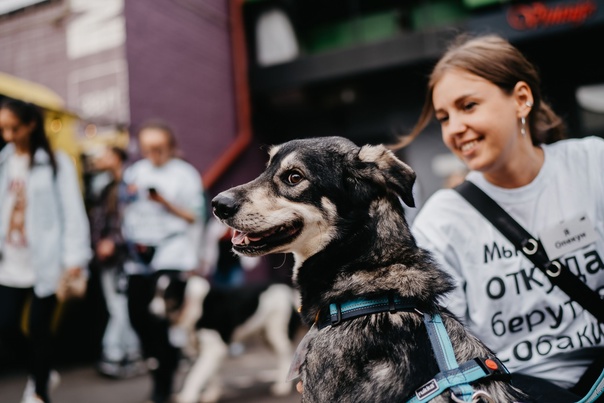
pixel 338 319
pixel 493 368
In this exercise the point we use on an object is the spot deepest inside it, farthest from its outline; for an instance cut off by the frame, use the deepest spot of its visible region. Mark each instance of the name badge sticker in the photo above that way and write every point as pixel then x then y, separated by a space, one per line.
pixel 568 236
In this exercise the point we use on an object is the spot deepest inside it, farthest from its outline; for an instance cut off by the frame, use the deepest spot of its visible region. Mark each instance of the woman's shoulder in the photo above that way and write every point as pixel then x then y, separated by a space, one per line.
pixel 184 166
pixel 444 207
pixel 578 146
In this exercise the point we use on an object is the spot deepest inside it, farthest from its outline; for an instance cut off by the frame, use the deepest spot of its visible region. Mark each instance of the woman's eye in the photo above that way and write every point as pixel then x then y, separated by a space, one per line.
pixel 293 178
pixel 469 106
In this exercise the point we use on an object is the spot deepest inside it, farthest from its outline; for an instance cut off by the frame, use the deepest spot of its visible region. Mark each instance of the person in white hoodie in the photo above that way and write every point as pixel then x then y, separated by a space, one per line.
pixel 162 224
pixel 43 233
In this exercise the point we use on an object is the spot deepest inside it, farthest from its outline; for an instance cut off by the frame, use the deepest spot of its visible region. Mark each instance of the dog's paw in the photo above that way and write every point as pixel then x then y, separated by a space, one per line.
pixel 281 388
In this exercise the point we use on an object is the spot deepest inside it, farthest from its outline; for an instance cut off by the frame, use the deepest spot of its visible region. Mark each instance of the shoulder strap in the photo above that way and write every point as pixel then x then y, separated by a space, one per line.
pixel 533 249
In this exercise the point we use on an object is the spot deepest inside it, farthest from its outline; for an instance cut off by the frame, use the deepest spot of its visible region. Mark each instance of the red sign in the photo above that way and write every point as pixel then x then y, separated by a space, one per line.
pixel 541 15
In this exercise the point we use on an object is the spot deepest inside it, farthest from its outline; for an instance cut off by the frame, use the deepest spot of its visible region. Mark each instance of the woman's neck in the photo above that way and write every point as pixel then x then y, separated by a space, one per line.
pixel 520 172
pixel 21 149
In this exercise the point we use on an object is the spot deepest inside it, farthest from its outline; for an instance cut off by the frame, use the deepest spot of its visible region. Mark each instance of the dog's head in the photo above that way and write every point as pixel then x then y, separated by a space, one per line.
pixel 308 193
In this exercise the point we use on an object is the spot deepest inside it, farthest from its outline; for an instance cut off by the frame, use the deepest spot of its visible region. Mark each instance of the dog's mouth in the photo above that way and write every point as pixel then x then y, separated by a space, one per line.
pixel 262 242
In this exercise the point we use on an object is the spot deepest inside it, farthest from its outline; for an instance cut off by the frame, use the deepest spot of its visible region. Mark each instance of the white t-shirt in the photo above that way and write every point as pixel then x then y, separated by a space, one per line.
pixel 500 295
pixel 16 269
pixel 148 222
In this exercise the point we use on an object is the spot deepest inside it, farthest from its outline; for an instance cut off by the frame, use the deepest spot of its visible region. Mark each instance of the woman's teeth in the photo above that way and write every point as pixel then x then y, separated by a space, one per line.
pixel 468 146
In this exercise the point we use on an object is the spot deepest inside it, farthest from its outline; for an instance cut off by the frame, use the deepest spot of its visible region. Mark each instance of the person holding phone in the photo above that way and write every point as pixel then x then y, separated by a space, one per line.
pixel 163 197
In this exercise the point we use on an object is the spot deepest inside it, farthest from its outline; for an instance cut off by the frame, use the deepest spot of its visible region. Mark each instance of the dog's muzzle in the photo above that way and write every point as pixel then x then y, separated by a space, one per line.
pixel 224 206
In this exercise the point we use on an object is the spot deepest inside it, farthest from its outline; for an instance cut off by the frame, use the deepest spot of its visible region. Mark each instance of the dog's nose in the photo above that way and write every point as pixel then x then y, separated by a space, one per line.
pixel 224 206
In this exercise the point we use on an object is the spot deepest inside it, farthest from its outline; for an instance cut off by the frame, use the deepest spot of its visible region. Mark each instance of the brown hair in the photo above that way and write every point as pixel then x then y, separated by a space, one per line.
pixel 496 60
pixel 162 126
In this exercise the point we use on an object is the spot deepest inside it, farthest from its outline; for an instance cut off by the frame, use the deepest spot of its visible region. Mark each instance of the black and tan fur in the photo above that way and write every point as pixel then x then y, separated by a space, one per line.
pixel 338 208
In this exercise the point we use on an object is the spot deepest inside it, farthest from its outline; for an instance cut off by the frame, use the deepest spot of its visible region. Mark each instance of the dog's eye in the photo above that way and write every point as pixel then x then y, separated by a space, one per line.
pixel 293 177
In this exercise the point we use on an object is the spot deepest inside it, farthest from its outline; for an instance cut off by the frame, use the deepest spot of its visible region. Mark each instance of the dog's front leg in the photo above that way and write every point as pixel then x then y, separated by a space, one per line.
pixel 212 351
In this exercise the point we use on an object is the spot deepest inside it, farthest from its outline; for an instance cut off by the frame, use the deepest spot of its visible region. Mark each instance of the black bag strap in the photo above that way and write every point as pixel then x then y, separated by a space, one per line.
pixel 556 272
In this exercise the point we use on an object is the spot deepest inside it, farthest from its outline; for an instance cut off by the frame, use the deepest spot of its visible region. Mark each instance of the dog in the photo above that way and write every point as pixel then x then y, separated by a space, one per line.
pixel 205 320
pixel 338 208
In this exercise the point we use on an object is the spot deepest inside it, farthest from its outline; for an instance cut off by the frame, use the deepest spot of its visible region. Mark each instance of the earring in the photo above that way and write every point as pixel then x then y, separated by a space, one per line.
pixel 529 104
pixel 523 126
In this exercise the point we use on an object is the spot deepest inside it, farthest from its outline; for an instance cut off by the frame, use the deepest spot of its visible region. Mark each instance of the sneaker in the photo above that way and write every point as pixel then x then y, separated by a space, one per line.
pixel 111 369
pixel 121 369
pixel 29 394
pixel 132 368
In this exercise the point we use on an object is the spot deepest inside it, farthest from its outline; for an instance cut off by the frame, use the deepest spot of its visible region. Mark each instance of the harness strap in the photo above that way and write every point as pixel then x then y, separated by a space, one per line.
pixel 445 356
pixel 467 372
pixel 451 376
pixel 340 312
pixel 595 392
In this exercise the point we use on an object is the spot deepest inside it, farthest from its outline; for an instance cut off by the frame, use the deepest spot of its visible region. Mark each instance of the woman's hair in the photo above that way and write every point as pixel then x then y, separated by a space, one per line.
pixel 496 60
pixel 27 113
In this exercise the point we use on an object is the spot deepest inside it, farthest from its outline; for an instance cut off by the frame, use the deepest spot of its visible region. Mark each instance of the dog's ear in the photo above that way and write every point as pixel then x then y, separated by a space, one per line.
pixel 398 175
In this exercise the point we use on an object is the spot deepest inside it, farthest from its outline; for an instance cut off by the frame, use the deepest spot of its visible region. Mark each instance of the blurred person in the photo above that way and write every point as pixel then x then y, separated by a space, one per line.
pixel 487 97
pixel 120 355
pixel 44 233
pixel 162 222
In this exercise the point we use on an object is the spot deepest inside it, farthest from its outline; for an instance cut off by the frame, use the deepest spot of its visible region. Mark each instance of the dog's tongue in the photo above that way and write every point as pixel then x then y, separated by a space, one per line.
pixel 240 238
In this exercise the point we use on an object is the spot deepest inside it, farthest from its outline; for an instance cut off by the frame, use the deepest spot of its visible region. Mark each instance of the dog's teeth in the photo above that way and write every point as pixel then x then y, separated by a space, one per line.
pixel 246 240
pixel 238 237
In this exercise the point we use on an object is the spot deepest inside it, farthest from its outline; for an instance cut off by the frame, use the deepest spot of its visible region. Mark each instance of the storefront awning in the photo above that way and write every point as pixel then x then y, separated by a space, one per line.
pixel 38 94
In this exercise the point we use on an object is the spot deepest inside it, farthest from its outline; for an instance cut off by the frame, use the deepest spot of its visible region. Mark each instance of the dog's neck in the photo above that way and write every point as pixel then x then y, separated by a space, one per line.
pixel 381 257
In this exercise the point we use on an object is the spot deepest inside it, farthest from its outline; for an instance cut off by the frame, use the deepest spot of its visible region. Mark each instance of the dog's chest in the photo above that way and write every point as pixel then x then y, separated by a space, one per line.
pixel 344 362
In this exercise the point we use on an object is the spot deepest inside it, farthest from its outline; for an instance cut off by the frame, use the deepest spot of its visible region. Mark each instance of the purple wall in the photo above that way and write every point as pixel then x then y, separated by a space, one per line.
pixel 180 69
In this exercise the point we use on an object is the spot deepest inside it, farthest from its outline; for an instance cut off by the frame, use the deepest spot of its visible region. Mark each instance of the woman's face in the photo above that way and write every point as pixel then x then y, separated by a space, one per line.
pixel 155 146
pixel 479 122
pixel 13 130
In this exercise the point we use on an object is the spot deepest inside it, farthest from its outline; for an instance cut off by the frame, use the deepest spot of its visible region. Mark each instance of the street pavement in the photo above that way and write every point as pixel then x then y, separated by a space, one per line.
pixel 245 378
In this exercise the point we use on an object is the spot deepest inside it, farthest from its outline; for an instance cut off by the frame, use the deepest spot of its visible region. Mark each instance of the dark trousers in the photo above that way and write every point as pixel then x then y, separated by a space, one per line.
pixel 543 391
pixel 40 339
pixel 153 332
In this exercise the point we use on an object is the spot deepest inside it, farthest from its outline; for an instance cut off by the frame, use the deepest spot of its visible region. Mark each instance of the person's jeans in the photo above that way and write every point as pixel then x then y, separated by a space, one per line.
pixel 120 342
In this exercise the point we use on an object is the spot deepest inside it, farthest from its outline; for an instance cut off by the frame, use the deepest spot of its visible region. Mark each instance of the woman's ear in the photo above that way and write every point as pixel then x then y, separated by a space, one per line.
pixel 523 95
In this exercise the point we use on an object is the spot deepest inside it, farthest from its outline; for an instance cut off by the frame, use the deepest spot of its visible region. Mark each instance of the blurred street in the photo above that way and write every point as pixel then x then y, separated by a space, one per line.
pixel 245 378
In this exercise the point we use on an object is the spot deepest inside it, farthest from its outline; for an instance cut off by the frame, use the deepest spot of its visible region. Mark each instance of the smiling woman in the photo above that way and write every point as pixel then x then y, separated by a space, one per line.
pixel 485 94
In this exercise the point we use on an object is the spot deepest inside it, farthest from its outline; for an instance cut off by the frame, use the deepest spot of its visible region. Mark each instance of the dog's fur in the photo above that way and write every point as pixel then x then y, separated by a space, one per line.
pixel 206 319
pixel 337 207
